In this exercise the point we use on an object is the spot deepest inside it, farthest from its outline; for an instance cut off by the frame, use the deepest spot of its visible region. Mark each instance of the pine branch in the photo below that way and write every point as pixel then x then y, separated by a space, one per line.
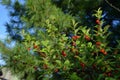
pixel 112 5
pixel 3 48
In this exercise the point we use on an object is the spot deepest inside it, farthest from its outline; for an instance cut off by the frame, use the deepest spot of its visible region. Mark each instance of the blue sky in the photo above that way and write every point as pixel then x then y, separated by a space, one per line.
pixel 3 19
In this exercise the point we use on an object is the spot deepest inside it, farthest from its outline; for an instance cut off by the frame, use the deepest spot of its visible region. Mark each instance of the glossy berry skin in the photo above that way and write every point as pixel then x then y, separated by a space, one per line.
pixel 98 43
pixel 103 51
pixel 75 37
pixel 64 54
pixel 87 38
pixel 98 21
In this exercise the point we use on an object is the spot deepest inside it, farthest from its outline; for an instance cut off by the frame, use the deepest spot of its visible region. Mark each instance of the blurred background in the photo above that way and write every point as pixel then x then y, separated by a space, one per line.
pixel 4 17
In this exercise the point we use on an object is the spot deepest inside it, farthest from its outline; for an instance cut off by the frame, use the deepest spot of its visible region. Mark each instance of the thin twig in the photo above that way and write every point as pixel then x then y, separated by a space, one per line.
pixel 112 5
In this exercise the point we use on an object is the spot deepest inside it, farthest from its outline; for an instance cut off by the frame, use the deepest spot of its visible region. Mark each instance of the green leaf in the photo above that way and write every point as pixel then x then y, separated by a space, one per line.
pixel 77 42
pixel 89 44
pixel 45 43
pixel 76 30
pixel 83 30
pixel 67 63
pixel 74 77
pixel 58 62
pixel 100 77
pixel 109 78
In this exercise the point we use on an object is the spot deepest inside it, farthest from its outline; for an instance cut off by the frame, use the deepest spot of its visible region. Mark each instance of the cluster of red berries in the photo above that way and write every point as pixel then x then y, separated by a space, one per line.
pixel 103 51
pixel 82 64
pixel 75 37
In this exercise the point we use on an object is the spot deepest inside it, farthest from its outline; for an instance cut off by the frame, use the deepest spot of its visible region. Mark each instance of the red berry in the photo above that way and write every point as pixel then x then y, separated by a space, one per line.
pixel 75 37
pixel 109 74
pixel 105 53
pixel 28 49
pixel 82 65
pixel 35 46
pixel 73 43
pixel 98 43
pixel 64 54
pixel 87 38
pixel 102 50
pixel 98 21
